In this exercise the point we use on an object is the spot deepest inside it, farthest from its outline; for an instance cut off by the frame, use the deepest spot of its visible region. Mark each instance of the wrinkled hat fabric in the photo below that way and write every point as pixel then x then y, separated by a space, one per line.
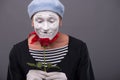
pixel 42 5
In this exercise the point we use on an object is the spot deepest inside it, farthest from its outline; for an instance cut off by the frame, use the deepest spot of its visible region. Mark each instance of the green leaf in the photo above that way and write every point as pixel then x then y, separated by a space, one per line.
pixel 39 64
pixel 31 64
pixel 49 65
pixel 56 67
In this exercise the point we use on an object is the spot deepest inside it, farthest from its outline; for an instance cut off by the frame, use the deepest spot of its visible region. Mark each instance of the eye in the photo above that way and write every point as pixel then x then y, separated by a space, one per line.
pixel 39 20
pixel 51 20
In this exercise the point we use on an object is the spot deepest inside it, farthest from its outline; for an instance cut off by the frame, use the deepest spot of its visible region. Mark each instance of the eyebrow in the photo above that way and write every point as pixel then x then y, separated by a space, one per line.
pixel 52 15
pixel 38 15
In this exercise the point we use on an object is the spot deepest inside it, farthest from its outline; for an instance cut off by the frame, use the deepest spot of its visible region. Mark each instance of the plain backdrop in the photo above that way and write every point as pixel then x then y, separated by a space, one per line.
pixel 96 22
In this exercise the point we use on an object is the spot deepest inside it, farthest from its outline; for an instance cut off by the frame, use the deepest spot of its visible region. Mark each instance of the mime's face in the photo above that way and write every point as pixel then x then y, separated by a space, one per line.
pixel 46 24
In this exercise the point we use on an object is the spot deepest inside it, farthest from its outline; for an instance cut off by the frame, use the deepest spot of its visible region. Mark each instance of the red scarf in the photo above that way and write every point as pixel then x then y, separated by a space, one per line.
pixel 43 41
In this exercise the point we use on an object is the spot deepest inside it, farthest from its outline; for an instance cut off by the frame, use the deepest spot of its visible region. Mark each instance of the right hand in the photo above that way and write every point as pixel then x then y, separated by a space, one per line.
pixel 36 75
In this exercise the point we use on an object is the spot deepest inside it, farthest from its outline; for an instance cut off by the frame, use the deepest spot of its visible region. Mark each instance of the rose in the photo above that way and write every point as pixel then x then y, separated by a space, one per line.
pixel 45 42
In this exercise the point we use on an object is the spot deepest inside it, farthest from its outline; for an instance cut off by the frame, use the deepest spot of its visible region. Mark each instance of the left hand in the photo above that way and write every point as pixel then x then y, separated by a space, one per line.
pixel 36 75
pixel 56 76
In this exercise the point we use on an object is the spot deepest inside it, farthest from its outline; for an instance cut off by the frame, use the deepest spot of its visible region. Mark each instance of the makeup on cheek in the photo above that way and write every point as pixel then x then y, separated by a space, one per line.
pixel 46 24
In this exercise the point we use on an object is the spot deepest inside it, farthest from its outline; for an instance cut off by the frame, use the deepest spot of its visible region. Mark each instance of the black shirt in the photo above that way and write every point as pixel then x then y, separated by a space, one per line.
pixel 76 64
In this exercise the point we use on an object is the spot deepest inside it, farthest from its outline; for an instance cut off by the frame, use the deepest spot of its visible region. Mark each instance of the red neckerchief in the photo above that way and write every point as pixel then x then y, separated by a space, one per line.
pixel 43 41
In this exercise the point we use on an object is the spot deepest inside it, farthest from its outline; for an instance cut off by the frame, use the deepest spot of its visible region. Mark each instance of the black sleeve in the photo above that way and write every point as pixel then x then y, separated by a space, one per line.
pixel 85 71
pixel 14 71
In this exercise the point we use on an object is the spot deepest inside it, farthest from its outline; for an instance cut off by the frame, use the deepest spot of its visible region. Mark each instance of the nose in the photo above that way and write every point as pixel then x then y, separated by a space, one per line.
pixel 45 27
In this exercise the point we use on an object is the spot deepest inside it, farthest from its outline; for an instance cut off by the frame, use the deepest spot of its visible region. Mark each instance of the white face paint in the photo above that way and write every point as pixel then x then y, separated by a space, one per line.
pixel 46 24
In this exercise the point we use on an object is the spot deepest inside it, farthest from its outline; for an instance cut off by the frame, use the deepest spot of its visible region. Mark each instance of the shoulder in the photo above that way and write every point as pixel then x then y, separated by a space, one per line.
pixel 76 41
pixel 77 44
pixel 17 48
pixel 21 43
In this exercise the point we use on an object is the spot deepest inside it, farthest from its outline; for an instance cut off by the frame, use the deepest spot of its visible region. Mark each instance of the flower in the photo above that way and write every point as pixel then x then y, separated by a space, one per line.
pixel 45 42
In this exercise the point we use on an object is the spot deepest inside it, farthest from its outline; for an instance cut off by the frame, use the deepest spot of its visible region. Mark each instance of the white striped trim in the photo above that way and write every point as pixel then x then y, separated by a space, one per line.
pixel 50 59
pixel 48 54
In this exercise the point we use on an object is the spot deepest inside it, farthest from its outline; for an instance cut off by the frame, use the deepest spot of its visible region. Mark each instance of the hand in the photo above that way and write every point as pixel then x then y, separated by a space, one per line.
pixel 36 75
pixel 56 76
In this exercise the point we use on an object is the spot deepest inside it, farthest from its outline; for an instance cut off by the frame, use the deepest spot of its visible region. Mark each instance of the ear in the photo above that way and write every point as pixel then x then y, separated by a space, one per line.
pixel 32 23
pixel 60 23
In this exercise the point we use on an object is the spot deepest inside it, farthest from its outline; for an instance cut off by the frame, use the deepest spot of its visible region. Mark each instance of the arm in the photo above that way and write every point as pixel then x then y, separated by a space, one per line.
pixel 85 71
pixel 14 70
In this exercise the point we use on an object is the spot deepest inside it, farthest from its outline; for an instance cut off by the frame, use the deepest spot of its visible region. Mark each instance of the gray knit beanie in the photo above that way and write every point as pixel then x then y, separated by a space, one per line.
pixel 43 5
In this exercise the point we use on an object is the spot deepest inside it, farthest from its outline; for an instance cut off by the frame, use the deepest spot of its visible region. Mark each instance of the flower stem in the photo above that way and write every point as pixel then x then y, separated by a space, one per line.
pixel 44 58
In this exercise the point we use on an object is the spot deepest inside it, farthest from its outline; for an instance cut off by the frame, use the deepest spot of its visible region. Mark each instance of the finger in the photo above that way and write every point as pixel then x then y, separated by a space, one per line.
pixel 52 77
pixel 42 72
pixel 36 73
pixel 33 78
pixel 56 75
pixel 52 73
pixel 39 72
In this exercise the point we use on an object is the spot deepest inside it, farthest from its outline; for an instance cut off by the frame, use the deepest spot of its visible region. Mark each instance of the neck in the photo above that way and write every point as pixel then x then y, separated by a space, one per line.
pixel 62 40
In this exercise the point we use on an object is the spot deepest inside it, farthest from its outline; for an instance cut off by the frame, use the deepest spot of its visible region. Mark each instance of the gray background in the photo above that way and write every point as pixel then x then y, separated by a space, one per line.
pixel 96 22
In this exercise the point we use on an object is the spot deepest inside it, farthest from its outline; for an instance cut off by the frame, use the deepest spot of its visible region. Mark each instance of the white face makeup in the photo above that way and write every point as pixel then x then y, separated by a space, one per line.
pixel 46 24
